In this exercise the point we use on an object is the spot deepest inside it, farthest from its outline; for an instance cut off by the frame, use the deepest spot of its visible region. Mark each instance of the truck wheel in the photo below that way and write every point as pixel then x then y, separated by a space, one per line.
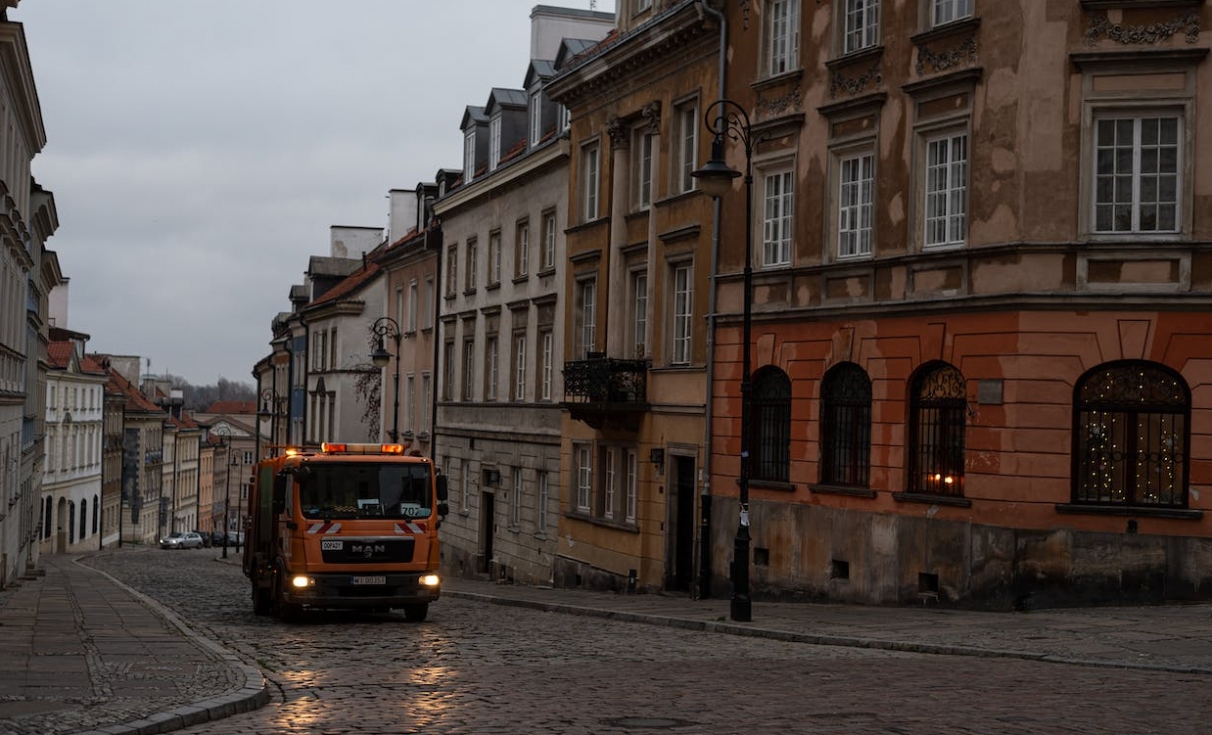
pixel 416 613
pixel 262 603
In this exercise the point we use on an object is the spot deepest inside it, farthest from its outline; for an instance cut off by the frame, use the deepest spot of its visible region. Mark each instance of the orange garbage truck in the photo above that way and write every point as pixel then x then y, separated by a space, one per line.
pixel 350 526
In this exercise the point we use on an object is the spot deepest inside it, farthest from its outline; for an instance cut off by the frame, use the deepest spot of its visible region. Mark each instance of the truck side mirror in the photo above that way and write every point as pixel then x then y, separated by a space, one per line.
pixel 443 510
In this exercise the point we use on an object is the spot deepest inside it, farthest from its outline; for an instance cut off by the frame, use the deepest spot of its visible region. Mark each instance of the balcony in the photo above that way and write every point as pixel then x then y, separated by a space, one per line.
pixel 607 393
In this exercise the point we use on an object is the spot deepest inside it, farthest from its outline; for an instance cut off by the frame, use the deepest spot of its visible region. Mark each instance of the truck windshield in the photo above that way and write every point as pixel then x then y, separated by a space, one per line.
pixel 359 490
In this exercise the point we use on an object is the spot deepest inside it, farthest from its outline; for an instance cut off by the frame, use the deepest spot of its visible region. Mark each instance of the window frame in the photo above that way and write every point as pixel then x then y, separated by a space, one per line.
pixel 780 47
pixel 495 255
pixel 686 116
pixel 1136 118
pixel 591 165
pixel 521 243
pixel 770 425
pixel 638 283
pixel 860 25
pixel 550 232
pixel 1118 388
pixel 777 253
pixel 583 452
pixel 585 327
pixel 937 452
pixel 951 218
pixel 519 366
pixel 473 255
pixel 681 313
pixel 643 163
pixel 494 142
pixel 861 237
pixel 845 443
pixel 957 10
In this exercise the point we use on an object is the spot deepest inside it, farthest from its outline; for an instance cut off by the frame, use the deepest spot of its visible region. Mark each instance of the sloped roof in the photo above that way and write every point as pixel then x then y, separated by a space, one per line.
pixel 135 400
pixel 350 285
pixel 322 265
pixel 502 97
pixel 235 407
pixel 473 114
pixel 539 69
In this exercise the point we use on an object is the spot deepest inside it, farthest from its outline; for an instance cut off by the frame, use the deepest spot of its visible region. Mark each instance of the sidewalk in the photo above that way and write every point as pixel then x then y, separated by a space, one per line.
pixel 83 653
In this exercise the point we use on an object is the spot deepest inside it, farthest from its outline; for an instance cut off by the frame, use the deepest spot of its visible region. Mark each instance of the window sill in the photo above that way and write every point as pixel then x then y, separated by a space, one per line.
pixel 1130 510
pixel 856 492
pixel 1132 4
pixel 494 286
pixel 945 30
pixel 786 487
pixel 870 53
pixel 795 75
pixel 548 271
pixel 522 278
pixel 951 500
pixel 603 522
pixel 469 291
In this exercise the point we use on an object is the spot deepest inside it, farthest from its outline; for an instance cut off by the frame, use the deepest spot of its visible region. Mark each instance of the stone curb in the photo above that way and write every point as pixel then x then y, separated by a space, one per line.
pixel 253 694
pixel 941 649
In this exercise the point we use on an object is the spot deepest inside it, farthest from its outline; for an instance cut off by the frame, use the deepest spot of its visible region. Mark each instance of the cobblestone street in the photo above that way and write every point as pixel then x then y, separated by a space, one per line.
pixel 480 668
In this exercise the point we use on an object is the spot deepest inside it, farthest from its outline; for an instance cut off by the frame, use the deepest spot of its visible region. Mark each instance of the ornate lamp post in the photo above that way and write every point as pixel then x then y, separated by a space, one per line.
pixel 385 326
pixel 227 499
pixel 268 409
pixel 725 117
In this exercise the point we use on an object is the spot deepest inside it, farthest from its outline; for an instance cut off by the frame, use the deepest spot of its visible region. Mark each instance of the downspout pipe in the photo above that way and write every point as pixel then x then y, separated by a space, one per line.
pixel 704 577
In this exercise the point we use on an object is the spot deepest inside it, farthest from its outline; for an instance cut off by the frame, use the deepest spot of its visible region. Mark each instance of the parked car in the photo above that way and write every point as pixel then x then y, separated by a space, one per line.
pixel 218 538
pixel 205 537
pixel 182 540
pixel 230 539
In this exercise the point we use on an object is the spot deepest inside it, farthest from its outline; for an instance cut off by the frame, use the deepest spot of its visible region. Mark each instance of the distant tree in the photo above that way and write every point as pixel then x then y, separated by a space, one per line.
pixel 200 397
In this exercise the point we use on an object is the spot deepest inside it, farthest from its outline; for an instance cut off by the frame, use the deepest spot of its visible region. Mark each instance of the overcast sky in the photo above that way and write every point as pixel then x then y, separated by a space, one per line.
pixel 199 151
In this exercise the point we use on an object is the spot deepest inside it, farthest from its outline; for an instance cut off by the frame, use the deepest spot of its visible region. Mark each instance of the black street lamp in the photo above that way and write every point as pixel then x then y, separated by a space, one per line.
pixel 269 407
pixel 227 499
pixel 725 117
pixel 385 326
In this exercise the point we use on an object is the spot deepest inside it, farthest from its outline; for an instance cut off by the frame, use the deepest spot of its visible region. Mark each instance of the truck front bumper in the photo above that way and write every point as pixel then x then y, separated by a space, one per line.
pixel 340 590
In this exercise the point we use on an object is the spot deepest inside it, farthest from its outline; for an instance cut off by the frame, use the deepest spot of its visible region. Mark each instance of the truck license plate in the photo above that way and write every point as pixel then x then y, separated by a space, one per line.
pixel 330 544
pixel 370 580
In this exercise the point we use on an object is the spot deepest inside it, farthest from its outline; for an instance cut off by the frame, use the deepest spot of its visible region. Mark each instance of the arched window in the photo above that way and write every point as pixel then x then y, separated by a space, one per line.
pixel 1131 435
pixel 937 417
pixel 846 426
pixel 770 426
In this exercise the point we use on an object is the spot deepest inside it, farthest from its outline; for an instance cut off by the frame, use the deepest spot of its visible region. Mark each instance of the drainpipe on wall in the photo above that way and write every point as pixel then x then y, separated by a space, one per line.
pixel 704 577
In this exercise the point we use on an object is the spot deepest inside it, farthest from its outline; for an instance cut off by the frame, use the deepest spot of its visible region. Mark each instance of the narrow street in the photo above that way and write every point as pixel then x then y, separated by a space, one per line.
pixel 481 668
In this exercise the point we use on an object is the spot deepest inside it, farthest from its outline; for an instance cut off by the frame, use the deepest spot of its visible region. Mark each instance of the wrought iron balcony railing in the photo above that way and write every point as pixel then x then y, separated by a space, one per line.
pixel 604 390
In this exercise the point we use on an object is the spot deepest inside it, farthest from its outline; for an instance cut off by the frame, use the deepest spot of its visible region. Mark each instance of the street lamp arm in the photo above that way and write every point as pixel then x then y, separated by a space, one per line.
pixel 385 326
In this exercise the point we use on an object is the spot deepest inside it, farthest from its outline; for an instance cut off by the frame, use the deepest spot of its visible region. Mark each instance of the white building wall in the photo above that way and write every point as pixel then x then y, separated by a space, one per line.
pixel 71 482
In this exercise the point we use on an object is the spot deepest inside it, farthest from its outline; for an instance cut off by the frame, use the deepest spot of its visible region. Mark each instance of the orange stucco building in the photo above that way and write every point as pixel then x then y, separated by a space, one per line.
pixel 981 277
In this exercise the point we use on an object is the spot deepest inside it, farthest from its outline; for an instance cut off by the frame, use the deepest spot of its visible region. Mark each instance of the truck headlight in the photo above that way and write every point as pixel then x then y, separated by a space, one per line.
pixel 302 580
pixel 430 580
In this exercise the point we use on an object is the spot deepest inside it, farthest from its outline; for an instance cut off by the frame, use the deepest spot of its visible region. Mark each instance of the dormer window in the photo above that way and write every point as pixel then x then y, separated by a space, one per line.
pixel 534 116
pixel 494 142
pixel 469 154
pixel 565 119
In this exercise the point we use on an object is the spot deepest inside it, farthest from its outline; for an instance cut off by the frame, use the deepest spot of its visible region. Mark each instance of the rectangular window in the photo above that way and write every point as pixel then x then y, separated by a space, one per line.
pixel 642 5
pixel 546 368
pixel 584 477
pixel 469 360
pixel 452 269
pixel 471 264
pixel 494 142
pixel 639 319
pixel 469 154
pixel 862 25
pixel 490 369
pixel 522 249
pixel 1136 178
pixel 609 481
pixel 632 480
pixel 448 370
pixel 565 118
pixel 683 302
pixel 534 113
pixel 413 306
pixel 779 204
pixel 643 169
pixel 519 367
pixel 409 402
pixel 494 258
pixel 947 11
pixel 549 240
pixel 426 401
pixel 586 316
pixel 687 120
pixel 855 205
pixel 589 182
pixel 946 189
pixel 782 29
pixel 429 303
pixel 466 485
